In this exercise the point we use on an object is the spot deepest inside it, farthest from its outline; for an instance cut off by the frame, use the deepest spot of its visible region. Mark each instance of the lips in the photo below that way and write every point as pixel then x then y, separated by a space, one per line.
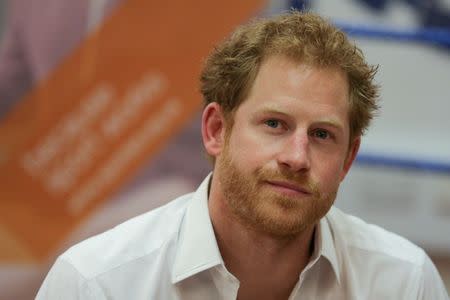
pixel 289 187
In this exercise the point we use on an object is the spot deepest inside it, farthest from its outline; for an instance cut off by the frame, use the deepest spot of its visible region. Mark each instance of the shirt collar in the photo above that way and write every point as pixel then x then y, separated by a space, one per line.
pixel 197 248
pixel 324 244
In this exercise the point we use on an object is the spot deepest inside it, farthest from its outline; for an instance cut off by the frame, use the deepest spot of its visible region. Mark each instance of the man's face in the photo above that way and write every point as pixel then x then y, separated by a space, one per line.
pixel 288 149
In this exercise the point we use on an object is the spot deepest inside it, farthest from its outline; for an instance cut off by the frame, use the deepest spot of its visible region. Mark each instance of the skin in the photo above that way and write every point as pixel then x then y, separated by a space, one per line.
pixel 277 172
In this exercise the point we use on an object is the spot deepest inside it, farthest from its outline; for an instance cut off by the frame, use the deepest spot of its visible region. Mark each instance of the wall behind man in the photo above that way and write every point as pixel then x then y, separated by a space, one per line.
pixel 2 16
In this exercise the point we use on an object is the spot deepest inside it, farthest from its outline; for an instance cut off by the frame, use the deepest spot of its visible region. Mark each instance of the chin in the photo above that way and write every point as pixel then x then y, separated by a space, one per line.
pixel 281 222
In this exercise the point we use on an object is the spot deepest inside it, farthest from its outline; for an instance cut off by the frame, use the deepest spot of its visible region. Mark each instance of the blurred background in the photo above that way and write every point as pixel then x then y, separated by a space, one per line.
pixel 99 118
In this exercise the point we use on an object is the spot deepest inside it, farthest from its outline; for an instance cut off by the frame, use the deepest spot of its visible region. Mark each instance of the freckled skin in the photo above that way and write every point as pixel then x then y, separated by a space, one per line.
pixel 292 128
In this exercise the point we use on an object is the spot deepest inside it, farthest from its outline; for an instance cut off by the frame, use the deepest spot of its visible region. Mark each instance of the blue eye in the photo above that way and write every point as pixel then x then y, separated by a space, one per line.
pixel 321 134
pixel 272 123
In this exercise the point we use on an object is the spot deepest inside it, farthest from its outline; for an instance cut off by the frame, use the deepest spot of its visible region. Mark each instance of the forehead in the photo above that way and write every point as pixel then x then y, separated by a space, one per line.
pixel 293 87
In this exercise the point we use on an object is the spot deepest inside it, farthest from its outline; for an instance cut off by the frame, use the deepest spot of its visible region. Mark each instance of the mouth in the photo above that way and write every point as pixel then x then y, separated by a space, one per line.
pixel 289 188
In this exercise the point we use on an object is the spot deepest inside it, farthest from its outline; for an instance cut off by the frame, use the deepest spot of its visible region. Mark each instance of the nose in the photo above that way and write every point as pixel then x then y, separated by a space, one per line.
pixel 294 153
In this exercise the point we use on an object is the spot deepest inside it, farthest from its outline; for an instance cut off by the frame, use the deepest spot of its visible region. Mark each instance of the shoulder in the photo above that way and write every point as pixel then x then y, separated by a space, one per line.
pixel 354 234
pixel 393 267
pixel 142 236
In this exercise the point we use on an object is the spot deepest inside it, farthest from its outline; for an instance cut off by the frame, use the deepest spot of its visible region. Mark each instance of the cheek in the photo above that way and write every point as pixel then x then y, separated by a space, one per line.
pixel 247 149
pixel 329 173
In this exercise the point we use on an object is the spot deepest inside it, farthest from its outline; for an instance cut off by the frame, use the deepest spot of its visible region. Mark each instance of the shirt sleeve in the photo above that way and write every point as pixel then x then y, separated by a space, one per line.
pixel 430 285
pixel 64 281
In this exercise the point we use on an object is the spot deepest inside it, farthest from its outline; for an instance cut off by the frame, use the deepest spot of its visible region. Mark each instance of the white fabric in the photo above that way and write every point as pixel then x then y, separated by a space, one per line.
pixel 171 253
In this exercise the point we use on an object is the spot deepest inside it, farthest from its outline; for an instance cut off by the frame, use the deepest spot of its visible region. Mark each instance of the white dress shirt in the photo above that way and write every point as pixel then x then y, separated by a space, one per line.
pixel 172 253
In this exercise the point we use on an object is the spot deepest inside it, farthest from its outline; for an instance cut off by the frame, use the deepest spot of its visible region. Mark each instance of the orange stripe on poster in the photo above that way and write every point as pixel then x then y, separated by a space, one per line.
pixel 106 109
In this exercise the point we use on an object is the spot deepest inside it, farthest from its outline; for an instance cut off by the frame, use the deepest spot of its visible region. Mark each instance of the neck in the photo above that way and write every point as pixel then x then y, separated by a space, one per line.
pixel 260 261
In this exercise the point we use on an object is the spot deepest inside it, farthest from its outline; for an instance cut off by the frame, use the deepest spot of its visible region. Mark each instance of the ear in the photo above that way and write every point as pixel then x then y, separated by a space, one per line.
pixel 351 155
pixel 213 129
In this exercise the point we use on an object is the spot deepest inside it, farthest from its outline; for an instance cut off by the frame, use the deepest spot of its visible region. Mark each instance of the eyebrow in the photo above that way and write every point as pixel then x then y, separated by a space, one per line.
pixel 272 110
pixel 330 123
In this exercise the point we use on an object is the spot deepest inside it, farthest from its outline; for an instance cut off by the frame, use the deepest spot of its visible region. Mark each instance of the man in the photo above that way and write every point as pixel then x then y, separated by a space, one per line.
pixel 287 100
